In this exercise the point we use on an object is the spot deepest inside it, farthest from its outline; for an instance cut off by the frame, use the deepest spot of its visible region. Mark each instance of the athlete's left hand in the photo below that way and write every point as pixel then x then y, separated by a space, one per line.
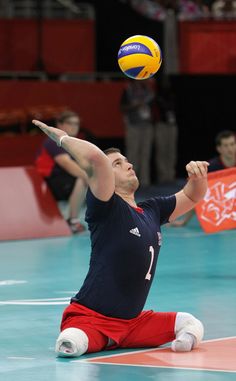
pixel 197 169
pixel 54 133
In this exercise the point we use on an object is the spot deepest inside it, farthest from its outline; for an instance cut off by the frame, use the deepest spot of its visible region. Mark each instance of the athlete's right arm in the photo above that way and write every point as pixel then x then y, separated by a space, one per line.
pixel 89 157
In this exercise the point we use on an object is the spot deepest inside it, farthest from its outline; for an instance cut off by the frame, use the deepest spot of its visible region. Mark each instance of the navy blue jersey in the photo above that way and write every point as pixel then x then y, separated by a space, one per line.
pixel 125 246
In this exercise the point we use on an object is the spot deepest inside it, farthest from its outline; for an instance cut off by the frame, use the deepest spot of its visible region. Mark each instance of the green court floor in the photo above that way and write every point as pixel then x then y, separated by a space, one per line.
pixel 196 273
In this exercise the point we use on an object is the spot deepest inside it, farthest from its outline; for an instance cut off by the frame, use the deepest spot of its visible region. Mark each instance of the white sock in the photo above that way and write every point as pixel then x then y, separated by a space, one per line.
pixel 183 343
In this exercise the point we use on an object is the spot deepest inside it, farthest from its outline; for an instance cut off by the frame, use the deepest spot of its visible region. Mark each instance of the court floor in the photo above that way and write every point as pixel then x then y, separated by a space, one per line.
pixel 196 273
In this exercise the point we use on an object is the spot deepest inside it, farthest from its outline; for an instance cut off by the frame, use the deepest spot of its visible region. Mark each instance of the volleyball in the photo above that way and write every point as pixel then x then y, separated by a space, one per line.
pixel 139 57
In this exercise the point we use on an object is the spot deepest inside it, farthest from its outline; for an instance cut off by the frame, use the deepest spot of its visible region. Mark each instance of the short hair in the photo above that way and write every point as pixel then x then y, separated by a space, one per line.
pixel 111 150
pixel 62 118
pixel 223 135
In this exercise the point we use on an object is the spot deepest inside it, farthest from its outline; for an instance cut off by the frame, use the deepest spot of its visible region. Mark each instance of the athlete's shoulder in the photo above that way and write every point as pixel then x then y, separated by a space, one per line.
pixel 98 209
pixel 163 206
pixel 157 201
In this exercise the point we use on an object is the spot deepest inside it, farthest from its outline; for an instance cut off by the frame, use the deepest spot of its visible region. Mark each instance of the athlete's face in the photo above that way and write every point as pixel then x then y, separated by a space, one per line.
pixel 125 177
pixel 227 148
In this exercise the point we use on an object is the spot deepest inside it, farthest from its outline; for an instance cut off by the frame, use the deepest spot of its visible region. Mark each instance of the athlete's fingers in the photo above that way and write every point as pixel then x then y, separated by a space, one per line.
pixel 39 124
pixel 192 169
pixel 202 166
pixel 54 133
pixel 197 168
pixel 44 127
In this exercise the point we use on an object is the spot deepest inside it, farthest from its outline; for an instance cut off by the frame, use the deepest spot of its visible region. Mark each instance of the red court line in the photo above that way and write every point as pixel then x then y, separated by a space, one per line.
pixel 213 355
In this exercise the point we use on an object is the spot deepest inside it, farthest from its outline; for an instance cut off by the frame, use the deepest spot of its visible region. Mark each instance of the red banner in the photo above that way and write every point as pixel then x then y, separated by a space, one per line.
pixel 217 211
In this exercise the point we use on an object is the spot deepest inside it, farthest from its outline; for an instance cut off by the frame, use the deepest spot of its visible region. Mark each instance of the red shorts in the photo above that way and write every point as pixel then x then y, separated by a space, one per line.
pixel 148 329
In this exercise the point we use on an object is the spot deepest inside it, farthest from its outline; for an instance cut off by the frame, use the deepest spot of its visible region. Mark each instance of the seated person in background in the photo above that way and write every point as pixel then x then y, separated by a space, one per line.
pixel 61 172
pixel 226 147
pixel 224 9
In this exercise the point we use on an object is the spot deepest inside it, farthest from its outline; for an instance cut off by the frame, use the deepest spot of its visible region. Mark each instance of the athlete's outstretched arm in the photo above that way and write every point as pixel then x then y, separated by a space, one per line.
pixel 194 190
pixel 89 157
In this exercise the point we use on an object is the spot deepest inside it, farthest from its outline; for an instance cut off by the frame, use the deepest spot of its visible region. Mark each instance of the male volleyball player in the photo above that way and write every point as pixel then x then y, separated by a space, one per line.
pixel 126 239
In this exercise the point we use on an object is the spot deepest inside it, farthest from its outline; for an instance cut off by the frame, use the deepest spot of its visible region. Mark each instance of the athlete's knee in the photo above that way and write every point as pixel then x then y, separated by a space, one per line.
pixel 187 323
pixel 71 342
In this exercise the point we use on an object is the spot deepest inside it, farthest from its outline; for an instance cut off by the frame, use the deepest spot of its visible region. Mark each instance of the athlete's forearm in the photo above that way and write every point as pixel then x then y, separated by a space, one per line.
pixel 86 154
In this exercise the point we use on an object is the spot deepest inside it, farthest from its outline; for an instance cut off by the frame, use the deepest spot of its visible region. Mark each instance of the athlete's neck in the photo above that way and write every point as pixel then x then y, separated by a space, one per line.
pixel 129 198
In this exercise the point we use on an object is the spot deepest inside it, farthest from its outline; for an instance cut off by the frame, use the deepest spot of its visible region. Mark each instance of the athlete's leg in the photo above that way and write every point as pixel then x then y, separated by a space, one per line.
pixel 157 328
pixel 150 329
pixel 189 332
pixel 74 342
pixel 78 334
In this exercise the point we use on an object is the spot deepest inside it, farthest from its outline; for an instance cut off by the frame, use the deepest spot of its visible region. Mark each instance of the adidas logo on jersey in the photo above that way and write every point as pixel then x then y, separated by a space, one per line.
pixel 135 231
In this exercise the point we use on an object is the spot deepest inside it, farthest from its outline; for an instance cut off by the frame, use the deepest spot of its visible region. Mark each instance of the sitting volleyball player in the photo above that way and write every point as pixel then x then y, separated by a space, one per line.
pixel 126 238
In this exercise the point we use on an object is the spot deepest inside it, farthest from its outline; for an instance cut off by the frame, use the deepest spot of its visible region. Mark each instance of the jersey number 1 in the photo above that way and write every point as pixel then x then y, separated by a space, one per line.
pixel 148 275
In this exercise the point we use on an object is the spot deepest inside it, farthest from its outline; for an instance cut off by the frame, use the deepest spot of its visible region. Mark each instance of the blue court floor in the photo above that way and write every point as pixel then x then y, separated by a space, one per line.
pixel 196 273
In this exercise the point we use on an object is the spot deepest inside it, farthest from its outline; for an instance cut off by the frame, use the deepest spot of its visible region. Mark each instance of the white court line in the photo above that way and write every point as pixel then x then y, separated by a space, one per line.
pixel 36 302
pixel 222 338
pixel 88 360
pixel 120 354
pixel 149 350
pixel 164 367
pixel 21 358
pixel 12 282
pixel 33 303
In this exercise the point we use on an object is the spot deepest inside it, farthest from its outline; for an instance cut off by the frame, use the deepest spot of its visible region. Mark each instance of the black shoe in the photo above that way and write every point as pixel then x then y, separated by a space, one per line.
pixel 75 226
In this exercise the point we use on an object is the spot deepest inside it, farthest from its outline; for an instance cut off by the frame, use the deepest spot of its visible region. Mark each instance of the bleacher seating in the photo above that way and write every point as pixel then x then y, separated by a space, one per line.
pixel 51 9
pixel 18 120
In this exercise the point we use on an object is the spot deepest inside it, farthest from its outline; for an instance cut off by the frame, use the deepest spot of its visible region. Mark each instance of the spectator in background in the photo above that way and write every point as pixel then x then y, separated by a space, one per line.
pixel 136 105
pixel 61 172
pixel 225 143
pixel 186 9
pixel 152 9
pixel 226 147
pixel 166 133
pixel 190 10
pixel 224 9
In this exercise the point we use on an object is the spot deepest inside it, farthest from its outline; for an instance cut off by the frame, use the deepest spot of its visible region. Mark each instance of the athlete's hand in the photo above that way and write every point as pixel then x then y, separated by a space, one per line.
pixel 197 169
pixel 54 133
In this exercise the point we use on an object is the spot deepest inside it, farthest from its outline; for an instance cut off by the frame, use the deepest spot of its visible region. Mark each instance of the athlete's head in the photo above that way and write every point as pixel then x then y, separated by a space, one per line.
pixel 226 145
pixel 69 122
pixel 125 177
